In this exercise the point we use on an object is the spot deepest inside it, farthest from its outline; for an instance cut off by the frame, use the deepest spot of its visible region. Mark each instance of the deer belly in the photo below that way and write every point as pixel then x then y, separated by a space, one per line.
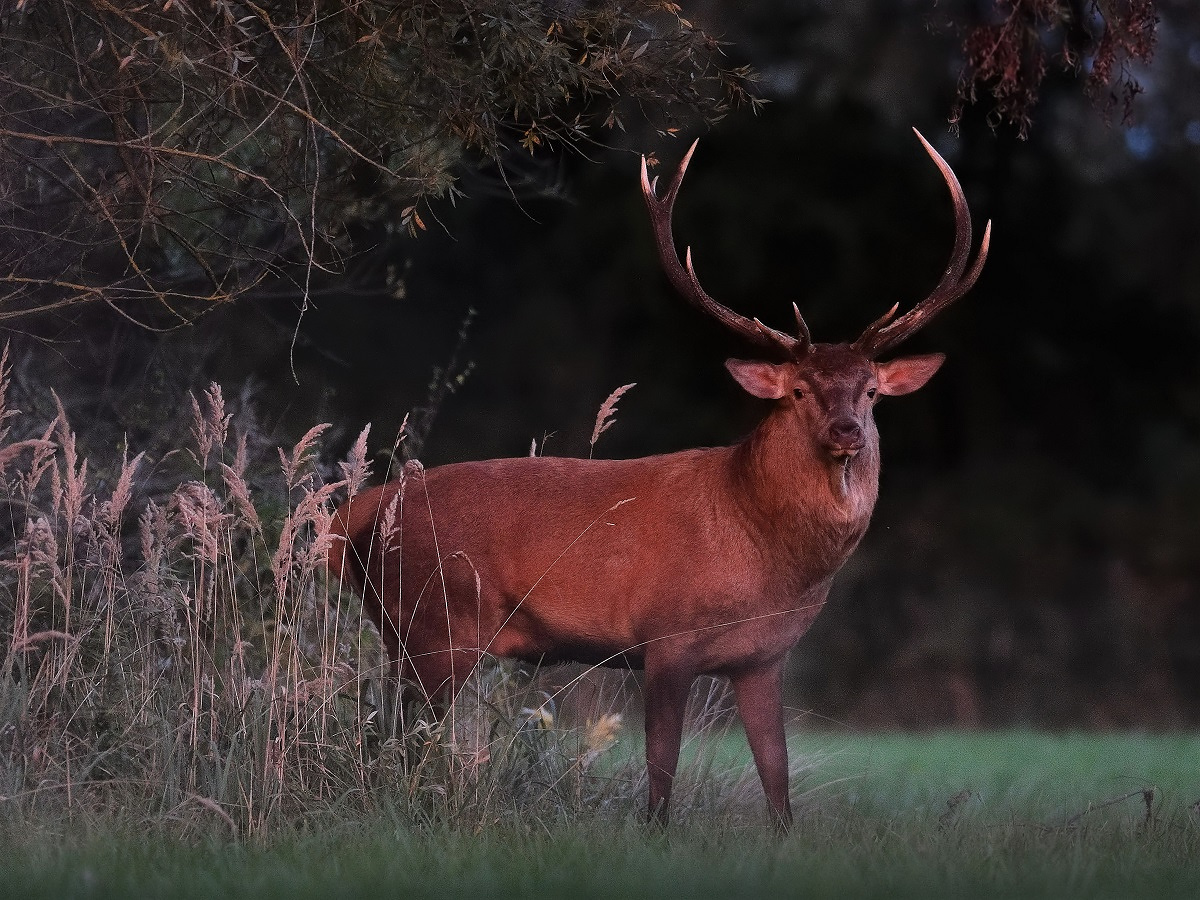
pixel 559 622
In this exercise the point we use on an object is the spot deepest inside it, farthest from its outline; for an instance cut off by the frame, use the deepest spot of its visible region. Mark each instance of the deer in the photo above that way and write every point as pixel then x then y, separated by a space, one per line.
pixel 709 561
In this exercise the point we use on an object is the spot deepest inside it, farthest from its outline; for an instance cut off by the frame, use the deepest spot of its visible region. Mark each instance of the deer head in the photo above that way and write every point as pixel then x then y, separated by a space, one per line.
pixel 831 387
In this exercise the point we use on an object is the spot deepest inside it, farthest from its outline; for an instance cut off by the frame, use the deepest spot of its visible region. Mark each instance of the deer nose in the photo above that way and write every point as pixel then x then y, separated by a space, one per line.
pixel 846 437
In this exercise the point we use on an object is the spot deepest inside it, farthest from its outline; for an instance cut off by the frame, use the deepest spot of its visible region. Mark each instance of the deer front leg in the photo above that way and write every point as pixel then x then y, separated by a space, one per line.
pixel 666 691
pixel 759 693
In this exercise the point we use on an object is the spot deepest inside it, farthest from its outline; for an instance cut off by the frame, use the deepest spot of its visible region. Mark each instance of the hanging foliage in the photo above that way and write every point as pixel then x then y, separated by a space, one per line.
pixel 168 156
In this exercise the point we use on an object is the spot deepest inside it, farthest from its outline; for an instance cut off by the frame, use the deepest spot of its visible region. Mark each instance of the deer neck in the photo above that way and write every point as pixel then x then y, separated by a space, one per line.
pixel 797 495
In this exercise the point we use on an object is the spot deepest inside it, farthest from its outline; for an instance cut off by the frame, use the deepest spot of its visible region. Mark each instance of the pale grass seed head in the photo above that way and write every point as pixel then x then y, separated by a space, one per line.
pixel 355 468
pixel 69 488
pixel 240 456
pixel 202 518
pixel 39 546
pixel 310 518
pixel 314 553
pixel 239 491
pixel 607 415
pixel 599 737
pixel 10 452
pixel 210 427
pixel 388 524
pixel 603 732
pixel 284 556
pixel 110 511
pixel 41 462
pixel 149 594
pixel 301 454
pixel 153 529
pixel 308 523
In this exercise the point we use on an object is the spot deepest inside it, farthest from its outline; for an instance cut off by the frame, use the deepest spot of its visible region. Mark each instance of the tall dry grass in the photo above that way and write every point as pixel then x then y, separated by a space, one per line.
pixel 174 655
pixel 180 649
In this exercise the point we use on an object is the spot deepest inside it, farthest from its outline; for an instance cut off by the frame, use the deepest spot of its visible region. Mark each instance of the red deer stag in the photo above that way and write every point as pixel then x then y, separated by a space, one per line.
pixel 708 561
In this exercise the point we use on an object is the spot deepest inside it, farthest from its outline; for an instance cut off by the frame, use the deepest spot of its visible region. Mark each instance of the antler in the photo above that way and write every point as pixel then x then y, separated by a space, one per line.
pixel 881 336
pixel 683 276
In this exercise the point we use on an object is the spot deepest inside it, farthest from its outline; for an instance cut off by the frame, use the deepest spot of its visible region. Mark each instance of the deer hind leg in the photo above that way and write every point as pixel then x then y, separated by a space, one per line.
pixel 666 691
pixel 759 693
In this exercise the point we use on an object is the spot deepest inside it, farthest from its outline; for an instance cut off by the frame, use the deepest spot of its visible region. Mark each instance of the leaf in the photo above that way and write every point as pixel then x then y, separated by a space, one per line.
pixel 530 139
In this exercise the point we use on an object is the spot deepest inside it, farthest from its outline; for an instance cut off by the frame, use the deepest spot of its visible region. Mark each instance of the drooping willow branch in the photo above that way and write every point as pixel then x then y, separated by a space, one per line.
pixel 166 157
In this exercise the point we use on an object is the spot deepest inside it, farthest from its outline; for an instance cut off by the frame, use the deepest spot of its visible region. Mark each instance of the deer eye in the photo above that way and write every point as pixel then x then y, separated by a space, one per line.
pixel 870 393
pixel 797 393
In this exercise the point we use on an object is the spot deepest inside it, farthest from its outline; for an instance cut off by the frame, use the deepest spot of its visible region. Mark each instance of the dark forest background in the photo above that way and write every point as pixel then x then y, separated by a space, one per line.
pixel 1034 557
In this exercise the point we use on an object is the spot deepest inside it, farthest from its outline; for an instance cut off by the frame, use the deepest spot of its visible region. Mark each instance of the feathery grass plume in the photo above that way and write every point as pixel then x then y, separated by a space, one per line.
pixel 35 561
pixel 10 452
pixel 600 736
pixel 309 524
pixel 39 544
pixel 355 468
pixel 536 449
pixel 153 603
pixel 607 416
pixel 106 525
pixel 316 510
pixel 210 427
pixel 238 489
pixel 27 482
pixel 240 457
pixel 239 492
pixel 110 511
pixel 389 523
pixel 300 454
pixel 201 517
pixel 69 488
pixel 304 534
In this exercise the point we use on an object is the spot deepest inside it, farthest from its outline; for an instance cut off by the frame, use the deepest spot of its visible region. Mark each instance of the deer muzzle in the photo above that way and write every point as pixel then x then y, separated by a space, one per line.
pixel 844 438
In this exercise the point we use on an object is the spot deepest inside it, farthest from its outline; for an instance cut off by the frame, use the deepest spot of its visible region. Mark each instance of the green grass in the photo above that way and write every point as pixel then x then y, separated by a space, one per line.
pixel 1032 774
pixel 873 822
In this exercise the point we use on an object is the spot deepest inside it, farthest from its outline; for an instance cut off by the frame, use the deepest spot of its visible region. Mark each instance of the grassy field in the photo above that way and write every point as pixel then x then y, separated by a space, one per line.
pixel 969 815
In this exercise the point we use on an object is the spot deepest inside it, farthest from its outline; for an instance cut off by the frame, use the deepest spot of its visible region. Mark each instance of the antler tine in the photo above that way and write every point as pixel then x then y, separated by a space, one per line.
pixel 869 334
pixel 801 327
pixel 683 276
pixel 884 334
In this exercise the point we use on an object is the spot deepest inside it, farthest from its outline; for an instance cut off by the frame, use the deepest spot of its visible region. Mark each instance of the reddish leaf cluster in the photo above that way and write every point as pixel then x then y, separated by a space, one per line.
pixel 1129 32
pixel 1010 56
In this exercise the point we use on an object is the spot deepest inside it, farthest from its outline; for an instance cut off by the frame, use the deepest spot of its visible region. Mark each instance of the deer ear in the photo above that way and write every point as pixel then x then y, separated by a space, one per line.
pixel 907 374
pixel 762 379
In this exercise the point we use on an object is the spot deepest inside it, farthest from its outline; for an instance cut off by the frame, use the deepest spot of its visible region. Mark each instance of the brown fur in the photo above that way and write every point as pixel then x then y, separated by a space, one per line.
pixel 709 561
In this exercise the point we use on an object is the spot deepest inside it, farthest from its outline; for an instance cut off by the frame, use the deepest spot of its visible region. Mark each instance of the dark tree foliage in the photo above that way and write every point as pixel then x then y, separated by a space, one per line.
pixel 164 157
pixel 1009 56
